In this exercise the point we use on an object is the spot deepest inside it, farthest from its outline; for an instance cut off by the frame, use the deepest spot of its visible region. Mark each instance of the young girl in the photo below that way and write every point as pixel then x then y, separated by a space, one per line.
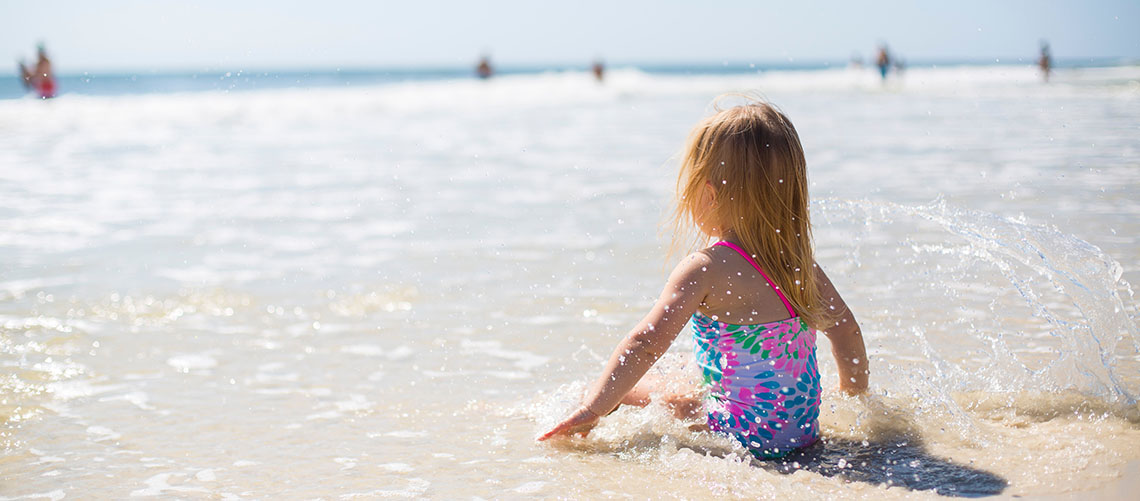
pixel 756 296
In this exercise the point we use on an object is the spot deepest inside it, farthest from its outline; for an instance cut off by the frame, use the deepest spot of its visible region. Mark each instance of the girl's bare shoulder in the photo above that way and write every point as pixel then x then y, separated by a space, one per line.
pixel 698 261
pixel 720 257
pixel 706 264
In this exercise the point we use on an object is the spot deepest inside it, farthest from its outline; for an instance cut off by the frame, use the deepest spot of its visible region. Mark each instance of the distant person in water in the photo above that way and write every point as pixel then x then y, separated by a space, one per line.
pixel 883 61
pixel 39 79
pixel 1046 61
pixel 599 69
pixel 484 70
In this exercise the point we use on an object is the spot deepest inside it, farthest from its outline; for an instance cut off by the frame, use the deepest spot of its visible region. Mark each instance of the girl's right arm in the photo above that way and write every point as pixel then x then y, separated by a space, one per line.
pixel 846 340
pixel 683 294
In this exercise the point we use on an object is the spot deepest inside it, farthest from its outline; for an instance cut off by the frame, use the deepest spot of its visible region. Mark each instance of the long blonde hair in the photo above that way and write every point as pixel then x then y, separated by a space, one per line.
pixel 752 157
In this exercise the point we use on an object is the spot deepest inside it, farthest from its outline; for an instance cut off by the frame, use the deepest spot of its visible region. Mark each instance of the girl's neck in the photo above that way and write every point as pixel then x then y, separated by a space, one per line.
pixel 728 236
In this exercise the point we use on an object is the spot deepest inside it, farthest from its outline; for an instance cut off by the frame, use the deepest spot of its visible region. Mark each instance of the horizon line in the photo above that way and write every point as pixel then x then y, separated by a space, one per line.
pixel 782 64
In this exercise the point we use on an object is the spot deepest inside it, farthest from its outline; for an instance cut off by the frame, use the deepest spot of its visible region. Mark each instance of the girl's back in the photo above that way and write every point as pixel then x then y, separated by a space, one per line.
pixel 738 293
pixel 758 363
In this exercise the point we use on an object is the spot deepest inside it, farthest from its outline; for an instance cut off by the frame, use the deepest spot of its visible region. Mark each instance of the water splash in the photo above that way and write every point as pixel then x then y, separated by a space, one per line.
pixel 1072 291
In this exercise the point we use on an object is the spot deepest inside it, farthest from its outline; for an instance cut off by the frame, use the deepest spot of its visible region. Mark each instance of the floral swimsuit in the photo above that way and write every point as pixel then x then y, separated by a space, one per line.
pixel 762 379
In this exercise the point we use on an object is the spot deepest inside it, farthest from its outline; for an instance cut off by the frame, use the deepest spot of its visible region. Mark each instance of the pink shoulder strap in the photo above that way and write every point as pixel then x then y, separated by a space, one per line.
pixel 751 261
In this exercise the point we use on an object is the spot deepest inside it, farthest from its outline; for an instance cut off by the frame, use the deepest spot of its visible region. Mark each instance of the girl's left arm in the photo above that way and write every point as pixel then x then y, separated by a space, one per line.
pixel 683 293
pixel 846 340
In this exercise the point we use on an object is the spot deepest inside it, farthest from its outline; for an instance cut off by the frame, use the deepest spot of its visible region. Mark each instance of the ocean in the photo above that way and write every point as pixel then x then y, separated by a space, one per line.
pixel 368 284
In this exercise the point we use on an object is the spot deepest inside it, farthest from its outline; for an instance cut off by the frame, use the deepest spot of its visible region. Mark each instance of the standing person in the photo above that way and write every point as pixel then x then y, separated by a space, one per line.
pixel 483 70
pixel 756 296
pixel 599 69
pixel 40 79
pixel 1045 62
pixel 883 61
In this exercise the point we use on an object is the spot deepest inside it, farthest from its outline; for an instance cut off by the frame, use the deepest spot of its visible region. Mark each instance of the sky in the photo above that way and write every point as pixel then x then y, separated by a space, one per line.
pixel 159 35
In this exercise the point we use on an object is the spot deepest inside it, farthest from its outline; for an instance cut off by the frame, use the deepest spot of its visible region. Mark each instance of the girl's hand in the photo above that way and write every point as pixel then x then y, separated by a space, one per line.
pixel 580 422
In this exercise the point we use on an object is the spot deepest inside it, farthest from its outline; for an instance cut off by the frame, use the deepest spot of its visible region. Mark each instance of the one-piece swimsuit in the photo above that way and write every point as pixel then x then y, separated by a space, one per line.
pixel 762 379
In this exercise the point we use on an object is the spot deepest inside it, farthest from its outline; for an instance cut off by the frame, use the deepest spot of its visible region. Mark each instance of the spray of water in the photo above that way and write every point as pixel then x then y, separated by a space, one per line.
pixel 1080 332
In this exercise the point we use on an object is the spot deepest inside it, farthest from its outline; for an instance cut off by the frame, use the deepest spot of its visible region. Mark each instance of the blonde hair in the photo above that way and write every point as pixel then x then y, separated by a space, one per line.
pixel 752 157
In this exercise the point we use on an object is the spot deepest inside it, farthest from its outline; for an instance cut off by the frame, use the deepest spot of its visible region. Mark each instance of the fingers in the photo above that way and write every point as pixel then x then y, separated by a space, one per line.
pixel 563 428
pixel 576 424
pixel 567 427
pixel 556 430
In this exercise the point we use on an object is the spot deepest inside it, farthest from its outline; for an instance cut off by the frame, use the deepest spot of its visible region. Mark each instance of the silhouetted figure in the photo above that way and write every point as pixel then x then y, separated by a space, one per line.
pixel 1046 61
pixel 883 61
pixel 39 79
pixel 484 70
pixel 599 69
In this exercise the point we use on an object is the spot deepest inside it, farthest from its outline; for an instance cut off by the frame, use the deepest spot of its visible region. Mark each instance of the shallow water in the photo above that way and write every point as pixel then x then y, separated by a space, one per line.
pixel 387 291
